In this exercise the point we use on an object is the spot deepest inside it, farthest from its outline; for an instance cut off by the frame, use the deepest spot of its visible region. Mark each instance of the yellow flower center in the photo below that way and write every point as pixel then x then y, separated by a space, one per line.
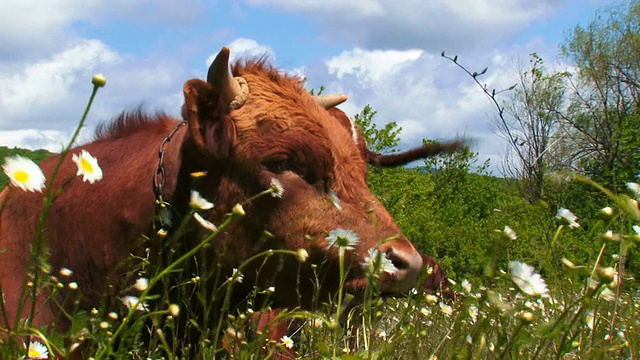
pixel 86 166
pixel 32 353
pixel 21 176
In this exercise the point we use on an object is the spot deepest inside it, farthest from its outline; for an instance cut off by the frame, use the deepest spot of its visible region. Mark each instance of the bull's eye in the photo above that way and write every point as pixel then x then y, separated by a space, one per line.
pixel 279 166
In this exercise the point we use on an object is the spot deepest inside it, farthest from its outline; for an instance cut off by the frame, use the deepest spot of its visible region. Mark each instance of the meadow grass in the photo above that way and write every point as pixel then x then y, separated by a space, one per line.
pixel 511 313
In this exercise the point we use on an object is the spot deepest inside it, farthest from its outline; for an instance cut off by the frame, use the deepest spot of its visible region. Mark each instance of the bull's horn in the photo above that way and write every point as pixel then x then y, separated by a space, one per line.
pixel 234 91
pixel 329 101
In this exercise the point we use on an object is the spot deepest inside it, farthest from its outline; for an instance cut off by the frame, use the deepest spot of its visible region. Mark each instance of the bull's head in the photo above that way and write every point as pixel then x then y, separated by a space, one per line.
pixel 255 124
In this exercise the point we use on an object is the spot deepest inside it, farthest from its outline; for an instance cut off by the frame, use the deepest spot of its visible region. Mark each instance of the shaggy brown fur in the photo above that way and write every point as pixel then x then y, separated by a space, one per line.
pixel 279 133
pixel 133 121
pixel 434 278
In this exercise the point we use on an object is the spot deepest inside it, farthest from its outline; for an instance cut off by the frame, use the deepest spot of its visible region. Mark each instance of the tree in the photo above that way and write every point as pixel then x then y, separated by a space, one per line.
pixel 532 117
pixel 378 140
pixel 603 119
pixel 527 122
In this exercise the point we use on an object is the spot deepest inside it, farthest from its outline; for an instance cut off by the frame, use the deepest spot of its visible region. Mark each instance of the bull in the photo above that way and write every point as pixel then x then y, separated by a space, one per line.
pixel 433 277
pixel 245 128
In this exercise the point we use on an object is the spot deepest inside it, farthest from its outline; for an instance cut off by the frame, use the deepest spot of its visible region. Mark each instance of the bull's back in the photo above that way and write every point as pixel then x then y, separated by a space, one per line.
pixel 90 228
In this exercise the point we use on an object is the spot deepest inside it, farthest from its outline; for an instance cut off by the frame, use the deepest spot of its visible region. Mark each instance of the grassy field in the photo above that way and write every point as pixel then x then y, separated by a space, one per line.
pixel 585 310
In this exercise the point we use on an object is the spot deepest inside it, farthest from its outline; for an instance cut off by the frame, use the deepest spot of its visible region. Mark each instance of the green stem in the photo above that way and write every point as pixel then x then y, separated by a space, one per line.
pixel 158 277
pixel 37 250
pixel 512 340
pixel 341 251
pixel 230 282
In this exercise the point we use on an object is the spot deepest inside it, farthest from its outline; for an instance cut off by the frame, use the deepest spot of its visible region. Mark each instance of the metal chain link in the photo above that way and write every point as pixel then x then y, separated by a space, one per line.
pixel 159 178
pixel 162 209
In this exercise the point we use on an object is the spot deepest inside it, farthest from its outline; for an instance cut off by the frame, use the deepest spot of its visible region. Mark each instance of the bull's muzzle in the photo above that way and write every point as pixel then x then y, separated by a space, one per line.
pixel 407 260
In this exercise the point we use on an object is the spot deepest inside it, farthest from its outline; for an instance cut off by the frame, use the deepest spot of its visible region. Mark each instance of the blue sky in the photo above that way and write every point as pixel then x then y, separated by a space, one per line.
pixel 383 53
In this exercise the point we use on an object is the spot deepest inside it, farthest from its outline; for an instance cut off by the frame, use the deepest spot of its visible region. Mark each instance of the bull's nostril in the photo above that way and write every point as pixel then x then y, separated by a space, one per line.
pixel 408 263
pixel 397 261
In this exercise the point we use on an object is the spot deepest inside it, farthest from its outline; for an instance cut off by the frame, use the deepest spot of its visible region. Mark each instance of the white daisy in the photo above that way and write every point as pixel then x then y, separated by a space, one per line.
pixel 24 173
pixel 204 222
pixel 276 188
pixel 198 202
pixel 473 313
pixel 429 270
pixel 236 276
pixel 509 233
pixel 376 261
pixel 590 319
pixel 566 216
pixel 466 285
pixel 342 238
pixel 133 302
pixel 446 309
pixel 287 342
pixel 36 350
pixel 527 280
pixel 635 188
pixel 87 167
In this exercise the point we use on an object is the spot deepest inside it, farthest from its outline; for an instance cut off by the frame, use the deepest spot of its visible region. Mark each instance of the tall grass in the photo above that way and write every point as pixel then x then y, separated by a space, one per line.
pixel 179 307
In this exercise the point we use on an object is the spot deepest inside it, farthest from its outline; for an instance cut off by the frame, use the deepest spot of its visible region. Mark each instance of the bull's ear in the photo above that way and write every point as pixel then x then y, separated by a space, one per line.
pixel 211 129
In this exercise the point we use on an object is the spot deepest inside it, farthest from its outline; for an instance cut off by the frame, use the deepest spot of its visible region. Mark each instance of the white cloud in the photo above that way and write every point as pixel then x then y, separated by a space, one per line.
pixel 357 8
pixel 243 48
pixel 425 24
pixel 31 28
pixel 43 101
pixel 370 66
pixel 35 139
pixel 427 95
pixel 48 82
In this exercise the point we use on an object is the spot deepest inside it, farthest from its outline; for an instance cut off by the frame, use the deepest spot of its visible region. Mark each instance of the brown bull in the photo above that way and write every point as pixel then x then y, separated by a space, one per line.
pixel 245 128
pixel 433 275
pixel 435 279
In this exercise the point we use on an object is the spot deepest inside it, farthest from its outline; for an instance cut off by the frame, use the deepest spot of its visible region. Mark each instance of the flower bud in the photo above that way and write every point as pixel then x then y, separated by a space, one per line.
pixel 238 210
pixel 606 211
pixel 568 263
pixel 99 80
pixel 302 255
pixel 610 236
pixel 526 316
pixel 431 299
pixel 606 274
